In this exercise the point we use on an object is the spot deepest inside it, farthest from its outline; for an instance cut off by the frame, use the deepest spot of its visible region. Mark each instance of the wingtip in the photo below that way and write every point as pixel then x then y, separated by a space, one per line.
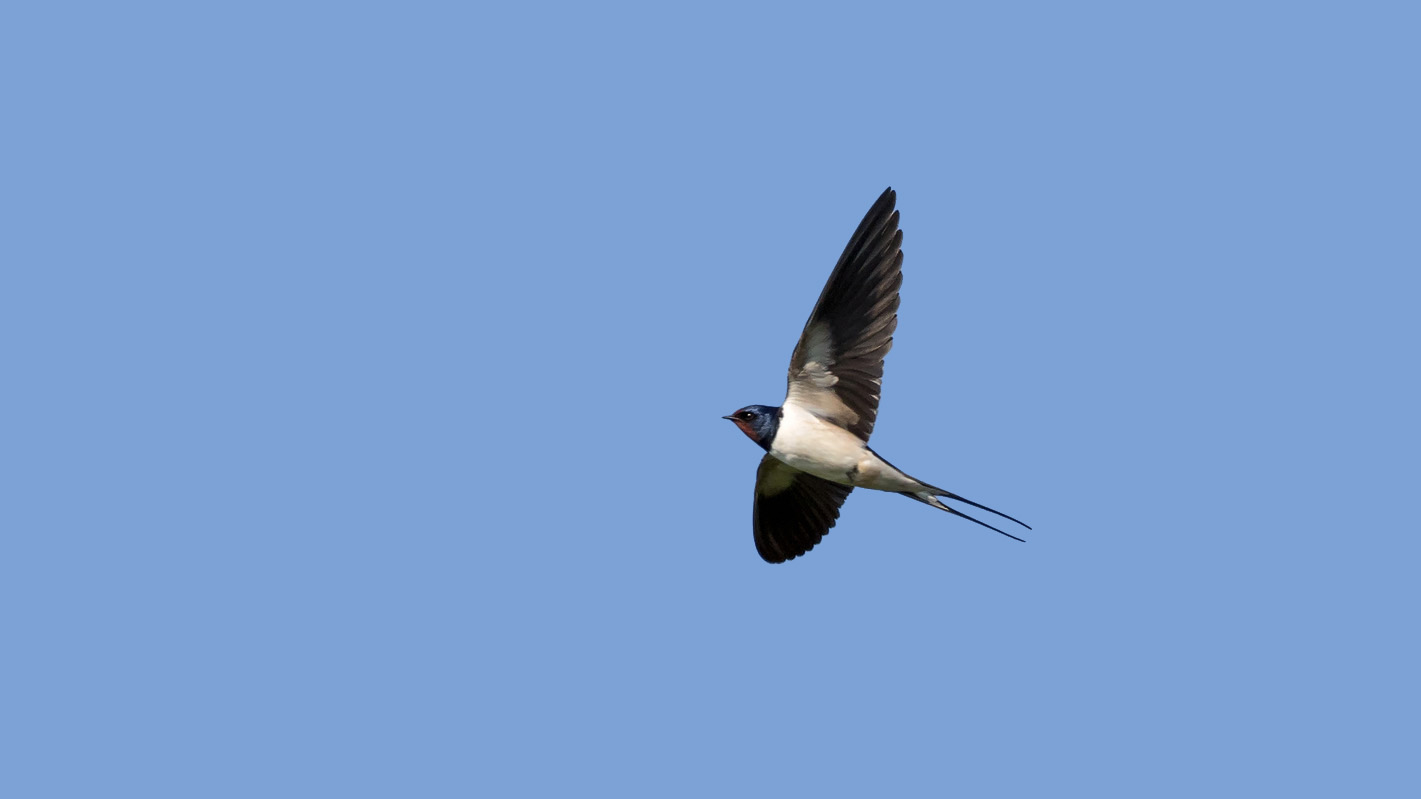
pixel 887 202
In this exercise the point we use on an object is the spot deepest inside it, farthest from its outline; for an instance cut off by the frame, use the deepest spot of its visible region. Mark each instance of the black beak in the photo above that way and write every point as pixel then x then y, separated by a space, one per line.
pixel 731 418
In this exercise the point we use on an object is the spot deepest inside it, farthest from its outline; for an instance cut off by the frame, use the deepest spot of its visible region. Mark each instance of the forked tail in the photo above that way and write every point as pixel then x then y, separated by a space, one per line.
pixel 930 497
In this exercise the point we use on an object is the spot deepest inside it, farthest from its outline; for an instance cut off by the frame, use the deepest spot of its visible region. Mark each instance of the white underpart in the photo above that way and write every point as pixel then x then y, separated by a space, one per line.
pixel 826 450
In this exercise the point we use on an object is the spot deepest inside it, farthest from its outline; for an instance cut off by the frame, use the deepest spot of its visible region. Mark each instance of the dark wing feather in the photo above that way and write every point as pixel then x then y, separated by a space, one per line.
pixel 837 368
pixel 793 510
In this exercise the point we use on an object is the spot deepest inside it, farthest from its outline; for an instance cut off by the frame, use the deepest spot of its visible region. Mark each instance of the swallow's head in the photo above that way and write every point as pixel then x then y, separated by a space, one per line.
pixel 759 422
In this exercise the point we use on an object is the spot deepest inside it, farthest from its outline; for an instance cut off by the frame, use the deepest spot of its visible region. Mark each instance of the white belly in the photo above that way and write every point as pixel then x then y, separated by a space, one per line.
pixel 825 450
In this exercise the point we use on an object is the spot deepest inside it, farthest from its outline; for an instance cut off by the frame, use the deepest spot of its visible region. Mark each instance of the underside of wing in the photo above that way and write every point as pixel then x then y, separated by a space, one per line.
pixel 837 368
pixel 793 510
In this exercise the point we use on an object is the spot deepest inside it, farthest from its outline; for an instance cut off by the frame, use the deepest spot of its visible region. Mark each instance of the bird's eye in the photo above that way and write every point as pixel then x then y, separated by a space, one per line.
pixel 747 416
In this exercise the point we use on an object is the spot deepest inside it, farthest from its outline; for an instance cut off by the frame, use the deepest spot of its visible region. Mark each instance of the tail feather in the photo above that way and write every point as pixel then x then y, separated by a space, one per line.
pixel 930 497
pixel 964 500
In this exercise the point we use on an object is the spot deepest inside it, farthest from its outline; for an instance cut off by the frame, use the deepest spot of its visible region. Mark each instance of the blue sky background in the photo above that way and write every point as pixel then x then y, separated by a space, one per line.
pixel 364 366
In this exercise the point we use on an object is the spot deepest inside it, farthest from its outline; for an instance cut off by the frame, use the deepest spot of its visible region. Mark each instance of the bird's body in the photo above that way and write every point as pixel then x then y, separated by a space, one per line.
pixel 830 452
pixel 816 443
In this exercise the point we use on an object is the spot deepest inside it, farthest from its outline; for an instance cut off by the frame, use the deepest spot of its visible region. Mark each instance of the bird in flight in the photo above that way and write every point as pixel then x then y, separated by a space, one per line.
pixel 817 441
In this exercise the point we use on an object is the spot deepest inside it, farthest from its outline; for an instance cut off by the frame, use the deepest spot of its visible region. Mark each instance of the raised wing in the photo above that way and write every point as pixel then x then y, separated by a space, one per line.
pixel 793 510
pixel 837 368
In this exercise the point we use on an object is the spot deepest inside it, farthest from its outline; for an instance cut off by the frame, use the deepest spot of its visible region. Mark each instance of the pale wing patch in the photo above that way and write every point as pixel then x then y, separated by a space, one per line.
pixel 775 477
pixel 818 357
pixel 811 387
pixel 821 402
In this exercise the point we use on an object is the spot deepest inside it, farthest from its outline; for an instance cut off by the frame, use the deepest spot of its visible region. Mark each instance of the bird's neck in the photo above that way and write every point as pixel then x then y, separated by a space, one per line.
pixel 767 426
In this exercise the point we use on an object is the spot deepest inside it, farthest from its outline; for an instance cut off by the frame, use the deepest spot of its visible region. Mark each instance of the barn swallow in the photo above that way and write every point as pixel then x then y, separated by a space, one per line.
pixel 816 443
